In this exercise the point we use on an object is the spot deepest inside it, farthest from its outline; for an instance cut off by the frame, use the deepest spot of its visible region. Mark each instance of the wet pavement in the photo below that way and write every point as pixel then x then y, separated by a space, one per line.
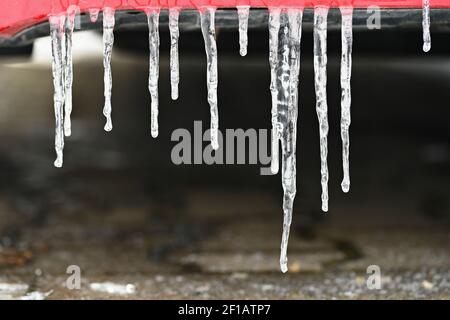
pixel 140 227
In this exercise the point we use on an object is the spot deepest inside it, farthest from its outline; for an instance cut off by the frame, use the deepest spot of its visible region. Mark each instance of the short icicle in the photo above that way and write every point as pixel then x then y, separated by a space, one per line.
pixel 68 72
pixel 174 61
pixel 57 26
pixel 346 98
pixel 274 27
pixel 209 36
pixel 93 14
pixel 108 42
pixel 153 38
pixel 320 75
pixel 243 14
pixel 426 25
pixel 286 23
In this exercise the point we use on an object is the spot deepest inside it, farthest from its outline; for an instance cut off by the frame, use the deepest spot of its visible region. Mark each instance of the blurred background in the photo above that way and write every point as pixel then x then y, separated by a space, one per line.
pixel 126 215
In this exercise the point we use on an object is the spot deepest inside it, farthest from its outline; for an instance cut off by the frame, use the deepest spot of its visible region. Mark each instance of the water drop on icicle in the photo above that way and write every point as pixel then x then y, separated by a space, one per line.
pixel 57 24
pixel 285 29
pixel 153 38
pixel 274 27
pixel 174 63
pixel 209 36
pixel 243 14
pixel 346 72
pixel 320 76
pixel 426 25
pixel 108 41
pixel 68 72
pixel 93 14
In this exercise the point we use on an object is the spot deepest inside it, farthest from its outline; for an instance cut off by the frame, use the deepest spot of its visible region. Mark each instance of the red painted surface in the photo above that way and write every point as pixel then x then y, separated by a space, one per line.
pixel 16 15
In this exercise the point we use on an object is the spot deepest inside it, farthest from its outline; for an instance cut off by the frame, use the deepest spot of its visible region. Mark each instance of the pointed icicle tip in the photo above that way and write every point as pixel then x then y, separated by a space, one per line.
pixel 58 163
pixel 345 185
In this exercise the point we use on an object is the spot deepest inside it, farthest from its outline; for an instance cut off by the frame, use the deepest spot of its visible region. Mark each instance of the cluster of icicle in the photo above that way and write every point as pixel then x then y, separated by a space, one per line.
pixel 284 55
pixel 285 29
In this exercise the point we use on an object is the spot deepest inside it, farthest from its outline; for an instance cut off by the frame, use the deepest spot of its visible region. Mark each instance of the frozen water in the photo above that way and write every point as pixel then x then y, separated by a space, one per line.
pixel 68 71
pixel 153 38
pixel 108 41
pixel 209 36
pixel 285 32
pixel 426 25
pixel 174 63
pixel 320 75
pixel 93 14
pixel 274 27
pixel 243 14
pixel 346 99
pixel 57 28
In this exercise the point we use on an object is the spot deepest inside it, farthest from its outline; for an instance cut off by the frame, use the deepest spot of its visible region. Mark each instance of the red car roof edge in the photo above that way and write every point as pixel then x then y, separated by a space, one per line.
pixel 18 15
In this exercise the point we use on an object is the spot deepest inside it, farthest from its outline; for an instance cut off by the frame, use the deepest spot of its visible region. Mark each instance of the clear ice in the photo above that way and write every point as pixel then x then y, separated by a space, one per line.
pixel 274 27
pixel 243 14
pixel 108 41
pixel 93 14
pixel 209 36
pixel 426 25
pixel 346 98
pixel 174 62
pixel 285 35
pixel 153 38
pixel 320 77
pixel 57 29
pixel 68 70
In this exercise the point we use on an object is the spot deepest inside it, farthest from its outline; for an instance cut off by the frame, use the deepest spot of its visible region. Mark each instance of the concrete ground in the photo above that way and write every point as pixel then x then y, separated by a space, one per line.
pixel 139 227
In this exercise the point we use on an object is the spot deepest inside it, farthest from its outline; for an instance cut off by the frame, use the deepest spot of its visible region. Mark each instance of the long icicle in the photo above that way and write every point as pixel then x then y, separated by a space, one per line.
pixel 426 25
pixel 174 61
pixel 346 98
pixel 320 75
pixel 108 42
pixel 289 43
pixel 153 78
pixel 243 14
pixel 68 72
pixel 209 36
pixel 274 27
pixel 57 24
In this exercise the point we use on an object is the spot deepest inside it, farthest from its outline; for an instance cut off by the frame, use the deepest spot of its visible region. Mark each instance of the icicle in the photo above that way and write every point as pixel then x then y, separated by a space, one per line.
pixel 426 25
pixel 153 38
pixel 243 14
pixel 93 14
pixel 209 36
pixel 68 72
pixel 174 63
pixel 320 75
pixel 346 98
pixel 285 38
pixel 108 41
pixel 57 35
pixel 274 27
